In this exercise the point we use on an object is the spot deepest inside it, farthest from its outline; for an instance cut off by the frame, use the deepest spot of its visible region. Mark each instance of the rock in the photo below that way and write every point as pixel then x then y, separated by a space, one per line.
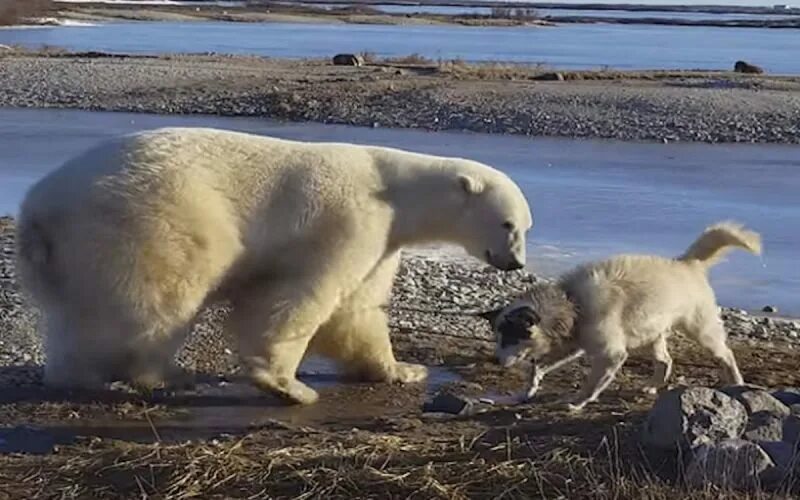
pixel 745 67
pixel 449 403
pixel 764 426
pixel 788 396
pixel 688 417
pixel 348 60
pixel 769 309
pixel 554 76
pixel 757 400
pixel 733 463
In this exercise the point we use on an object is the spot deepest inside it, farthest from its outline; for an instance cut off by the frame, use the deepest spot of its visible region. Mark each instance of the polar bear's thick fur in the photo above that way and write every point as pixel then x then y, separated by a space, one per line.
pixel 122 245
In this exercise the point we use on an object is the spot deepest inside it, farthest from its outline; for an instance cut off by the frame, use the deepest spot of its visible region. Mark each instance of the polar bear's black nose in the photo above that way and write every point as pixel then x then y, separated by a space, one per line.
pixel 514 264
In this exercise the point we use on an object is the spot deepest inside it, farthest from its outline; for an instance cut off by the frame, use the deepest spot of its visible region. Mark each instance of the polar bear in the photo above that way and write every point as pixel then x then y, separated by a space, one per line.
pixel 125 243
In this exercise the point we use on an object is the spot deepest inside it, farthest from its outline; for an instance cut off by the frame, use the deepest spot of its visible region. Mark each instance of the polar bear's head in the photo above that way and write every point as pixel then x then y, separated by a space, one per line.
pixel 494 221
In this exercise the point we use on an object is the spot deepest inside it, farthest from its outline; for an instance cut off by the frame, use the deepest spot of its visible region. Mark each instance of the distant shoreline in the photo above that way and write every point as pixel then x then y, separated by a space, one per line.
pixel 630 7
pixel 361 12
pixel 412 92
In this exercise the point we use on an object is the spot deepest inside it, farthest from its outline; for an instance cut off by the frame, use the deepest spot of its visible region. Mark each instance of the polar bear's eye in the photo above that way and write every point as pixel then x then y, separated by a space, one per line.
pixel 508 225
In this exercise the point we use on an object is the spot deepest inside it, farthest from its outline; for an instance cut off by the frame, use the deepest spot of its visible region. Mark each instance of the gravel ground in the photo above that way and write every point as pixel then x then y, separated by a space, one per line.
pixel 434 295
pixel 677 106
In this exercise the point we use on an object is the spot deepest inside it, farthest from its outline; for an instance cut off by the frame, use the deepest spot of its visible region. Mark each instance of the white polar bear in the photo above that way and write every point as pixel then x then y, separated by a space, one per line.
pixel 125 243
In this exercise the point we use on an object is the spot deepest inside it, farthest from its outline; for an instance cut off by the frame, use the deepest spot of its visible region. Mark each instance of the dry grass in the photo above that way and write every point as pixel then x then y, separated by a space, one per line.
pixel 305 463
pixel 14 11
pixel 460 69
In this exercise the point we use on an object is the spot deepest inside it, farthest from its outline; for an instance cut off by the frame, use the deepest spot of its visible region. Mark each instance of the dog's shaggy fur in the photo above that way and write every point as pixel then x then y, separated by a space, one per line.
pixel 604 309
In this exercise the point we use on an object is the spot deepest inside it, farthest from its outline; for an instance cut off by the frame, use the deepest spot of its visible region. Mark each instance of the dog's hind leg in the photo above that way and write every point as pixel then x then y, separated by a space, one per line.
pixel 539 370
pixel 712 336
pixel 662 365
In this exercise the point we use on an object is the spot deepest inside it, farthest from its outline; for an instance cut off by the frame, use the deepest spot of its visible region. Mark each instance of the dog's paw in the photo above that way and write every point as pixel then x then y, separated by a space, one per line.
pixel 575 407
pixel 529 394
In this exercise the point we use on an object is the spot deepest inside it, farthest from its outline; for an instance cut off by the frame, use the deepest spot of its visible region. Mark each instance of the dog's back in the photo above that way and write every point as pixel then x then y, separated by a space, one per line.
pixel 650 294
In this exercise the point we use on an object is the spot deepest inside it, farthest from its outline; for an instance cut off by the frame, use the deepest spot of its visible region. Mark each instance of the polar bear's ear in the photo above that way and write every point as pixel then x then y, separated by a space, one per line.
pixel 470 184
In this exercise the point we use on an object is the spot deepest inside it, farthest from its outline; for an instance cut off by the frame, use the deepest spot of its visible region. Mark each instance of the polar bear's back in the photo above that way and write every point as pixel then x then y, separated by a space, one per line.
pixel 169 164
pixel 179 207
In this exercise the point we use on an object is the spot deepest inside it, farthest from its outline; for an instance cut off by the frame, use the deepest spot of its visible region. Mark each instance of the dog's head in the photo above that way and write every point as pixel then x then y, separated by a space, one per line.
pixel 528 327
pixel 516 327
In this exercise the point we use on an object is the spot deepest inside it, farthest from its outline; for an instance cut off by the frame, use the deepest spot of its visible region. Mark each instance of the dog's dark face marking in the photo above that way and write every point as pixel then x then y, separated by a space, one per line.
pixel 514 327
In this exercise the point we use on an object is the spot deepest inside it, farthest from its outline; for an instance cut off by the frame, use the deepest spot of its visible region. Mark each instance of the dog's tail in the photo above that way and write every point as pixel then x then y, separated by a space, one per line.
pixel 717 240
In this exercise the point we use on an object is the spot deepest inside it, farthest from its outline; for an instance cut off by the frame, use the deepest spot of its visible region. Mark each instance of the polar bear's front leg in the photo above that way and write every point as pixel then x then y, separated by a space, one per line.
pixel 357 335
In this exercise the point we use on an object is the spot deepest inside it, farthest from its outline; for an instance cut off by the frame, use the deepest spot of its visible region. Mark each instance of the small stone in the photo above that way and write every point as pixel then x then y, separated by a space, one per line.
pixel 769 309
pixel 761 332
pixel 733 463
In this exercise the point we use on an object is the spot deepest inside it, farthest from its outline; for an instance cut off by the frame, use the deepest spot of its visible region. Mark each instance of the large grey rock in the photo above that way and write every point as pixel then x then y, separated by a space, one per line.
pixel 733 463
pixel 757 400
pixel 688 417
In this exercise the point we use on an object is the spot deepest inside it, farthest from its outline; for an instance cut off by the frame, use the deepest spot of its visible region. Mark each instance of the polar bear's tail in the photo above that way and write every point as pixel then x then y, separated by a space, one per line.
pixel 718 239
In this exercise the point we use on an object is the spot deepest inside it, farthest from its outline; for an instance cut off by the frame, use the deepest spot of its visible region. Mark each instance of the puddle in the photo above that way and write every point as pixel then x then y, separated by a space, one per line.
pixel 226 406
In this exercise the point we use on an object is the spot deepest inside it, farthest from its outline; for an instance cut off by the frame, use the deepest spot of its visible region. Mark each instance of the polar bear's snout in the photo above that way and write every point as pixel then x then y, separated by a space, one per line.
pixel 509 264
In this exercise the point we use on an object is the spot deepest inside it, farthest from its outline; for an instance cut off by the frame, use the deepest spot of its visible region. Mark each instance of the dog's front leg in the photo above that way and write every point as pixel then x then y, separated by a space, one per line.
pixel 543 367
pixel 604 369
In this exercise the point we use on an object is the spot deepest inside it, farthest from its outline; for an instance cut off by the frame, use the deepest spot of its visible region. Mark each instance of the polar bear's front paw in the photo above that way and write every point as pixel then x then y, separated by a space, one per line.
pixel 284 387
pixel 408 373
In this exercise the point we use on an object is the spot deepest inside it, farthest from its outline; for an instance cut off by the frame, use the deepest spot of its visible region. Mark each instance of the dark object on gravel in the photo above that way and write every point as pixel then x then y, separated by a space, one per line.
pixel 448 403
pixel 556 77
pixel 347 60
pixel 770 309
pixel 745 67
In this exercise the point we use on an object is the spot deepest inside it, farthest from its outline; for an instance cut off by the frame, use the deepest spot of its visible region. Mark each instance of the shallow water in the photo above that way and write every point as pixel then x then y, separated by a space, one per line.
pixel 590 198
pixel 214 408
pixel 565 46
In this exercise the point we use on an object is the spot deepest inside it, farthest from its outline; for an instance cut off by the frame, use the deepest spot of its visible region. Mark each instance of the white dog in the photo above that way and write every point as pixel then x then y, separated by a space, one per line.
pixel 604 309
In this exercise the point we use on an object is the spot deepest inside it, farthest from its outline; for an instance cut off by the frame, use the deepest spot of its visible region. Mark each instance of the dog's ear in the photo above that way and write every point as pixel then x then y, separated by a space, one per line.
pixel 492 315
